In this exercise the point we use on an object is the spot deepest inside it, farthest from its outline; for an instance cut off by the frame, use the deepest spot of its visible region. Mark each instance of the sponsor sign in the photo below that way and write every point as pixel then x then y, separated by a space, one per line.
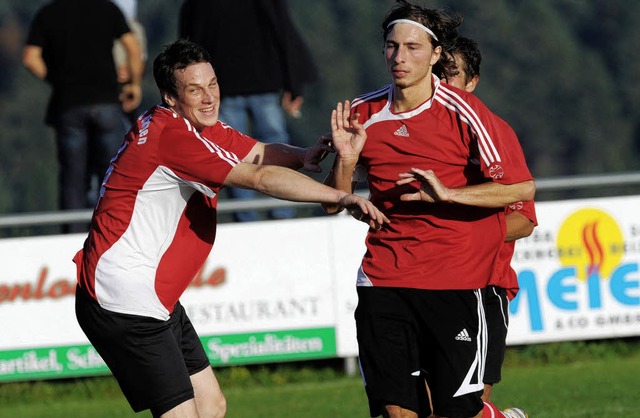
pixel 271 347
pixel 285 290
pixel 222 350
pixel 578 273
pixel 52 362
pixel 254 301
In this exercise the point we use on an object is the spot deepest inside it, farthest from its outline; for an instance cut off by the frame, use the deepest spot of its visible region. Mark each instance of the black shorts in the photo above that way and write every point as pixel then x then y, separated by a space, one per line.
pixel 407 336
pixel 496 308
pixel 151 359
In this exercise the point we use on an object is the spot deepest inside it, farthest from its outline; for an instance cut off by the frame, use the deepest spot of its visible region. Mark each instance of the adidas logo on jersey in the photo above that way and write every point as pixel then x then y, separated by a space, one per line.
pixel 463 335
pixel 402 131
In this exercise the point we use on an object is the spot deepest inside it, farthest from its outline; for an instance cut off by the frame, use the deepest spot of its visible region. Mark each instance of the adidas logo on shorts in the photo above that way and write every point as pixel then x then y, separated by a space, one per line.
pixel 463 335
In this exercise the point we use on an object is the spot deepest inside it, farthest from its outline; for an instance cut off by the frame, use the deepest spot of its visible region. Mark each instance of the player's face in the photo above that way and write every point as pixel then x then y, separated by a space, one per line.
pixel 410 55
pixel 198 95
pixel 460 80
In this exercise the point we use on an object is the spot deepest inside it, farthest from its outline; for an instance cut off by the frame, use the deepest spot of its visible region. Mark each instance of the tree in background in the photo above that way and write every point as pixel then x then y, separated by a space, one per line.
pixel 559 71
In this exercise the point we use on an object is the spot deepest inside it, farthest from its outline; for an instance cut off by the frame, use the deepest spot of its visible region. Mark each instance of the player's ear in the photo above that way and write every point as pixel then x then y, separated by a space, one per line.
pixel 435 55
pixel 472 84
pixel 169 99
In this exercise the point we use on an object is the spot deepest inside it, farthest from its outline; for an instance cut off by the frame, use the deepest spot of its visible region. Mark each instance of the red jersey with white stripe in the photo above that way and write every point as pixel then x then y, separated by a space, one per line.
pixel 505 276
pixel 155 222
pixel 441 245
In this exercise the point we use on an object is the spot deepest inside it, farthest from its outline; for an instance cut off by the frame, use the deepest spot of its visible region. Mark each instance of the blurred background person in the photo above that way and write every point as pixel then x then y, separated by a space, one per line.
pixel 69 45
pixel 262 64
pixel 129 9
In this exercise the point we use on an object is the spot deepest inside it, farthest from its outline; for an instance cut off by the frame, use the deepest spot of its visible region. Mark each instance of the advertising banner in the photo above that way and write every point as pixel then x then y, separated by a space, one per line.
pixel 266 294
pixel 578 272
pixel 285 290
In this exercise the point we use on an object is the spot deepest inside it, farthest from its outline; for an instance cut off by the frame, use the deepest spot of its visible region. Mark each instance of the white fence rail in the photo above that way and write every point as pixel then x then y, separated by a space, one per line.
pixel 229 206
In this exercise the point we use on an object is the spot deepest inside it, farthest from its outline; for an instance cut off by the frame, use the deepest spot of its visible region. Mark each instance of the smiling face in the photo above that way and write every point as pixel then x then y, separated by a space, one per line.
pixel 410 55
pixel 198 95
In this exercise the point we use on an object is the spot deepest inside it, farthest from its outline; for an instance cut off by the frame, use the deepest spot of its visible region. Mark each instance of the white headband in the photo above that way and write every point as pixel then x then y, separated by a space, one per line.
pixel 414 23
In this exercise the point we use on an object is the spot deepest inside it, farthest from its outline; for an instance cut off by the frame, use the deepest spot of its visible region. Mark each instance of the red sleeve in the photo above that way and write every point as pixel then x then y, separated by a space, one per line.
pixel 527 209
pixel 509 165
pixel 500 154
pixel 230 139
pixel 205 157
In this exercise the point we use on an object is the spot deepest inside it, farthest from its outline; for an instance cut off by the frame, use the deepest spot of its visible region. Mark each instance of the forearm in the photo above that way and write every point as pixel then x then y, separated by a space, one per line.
pixel 135 59
pixel 137 69
pixel 518 226
pixel 283 155
pixel 39 70
pixel 492 194
pixel 284 183
pixel 341 178
pixel 33 61
pixel 287 184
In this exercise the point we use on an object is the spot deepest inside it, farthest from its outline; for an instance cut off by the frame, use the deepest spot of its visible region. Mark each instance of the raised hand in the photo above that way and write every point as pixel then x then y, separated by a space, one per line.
pixel 348 135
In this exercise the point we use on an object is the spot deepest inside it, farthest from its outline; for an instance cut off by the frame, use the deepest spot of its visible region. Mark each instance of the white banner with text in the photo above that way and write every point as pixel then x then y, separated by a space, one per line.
pixel 285 290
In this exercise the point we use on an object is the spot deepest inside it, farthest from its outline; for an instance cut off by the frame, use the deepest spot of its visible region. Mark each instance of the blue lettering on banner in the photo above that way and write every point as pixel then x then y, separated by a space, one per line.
pixel 529 290
pixel 562 291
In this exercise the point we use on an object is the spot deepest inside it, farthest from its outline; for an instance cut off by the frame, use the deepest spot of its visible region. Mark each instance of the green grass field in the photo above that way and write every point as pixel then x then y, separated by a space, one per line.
pixel 578 380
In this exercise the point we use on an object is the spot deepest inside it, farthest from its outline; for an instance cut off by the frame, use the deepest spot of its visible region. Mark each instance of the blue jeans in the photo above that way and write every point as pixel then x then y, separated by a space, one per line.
pixel 260 116
pixel 87 137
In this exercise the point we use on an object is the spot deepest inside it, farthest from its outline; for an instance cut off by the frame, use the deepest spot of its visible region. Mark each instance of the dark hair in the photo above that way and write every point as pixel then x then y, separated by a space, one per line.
pixel 469 51
pixel 442 24
pixel 176 56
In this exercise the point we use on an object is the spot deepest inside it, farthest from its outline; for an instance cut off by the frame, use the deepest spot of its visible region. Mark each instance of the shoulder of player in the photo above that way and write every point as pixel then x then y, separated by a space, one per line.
pixel 372 98
pixel 165 124
pixel 464 102
pixel 451 95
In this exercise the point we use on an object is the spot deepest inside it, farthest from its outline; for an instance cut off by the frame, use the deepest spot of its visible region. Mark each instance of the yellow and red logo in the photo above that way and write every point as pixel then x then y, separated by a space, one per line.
pixel 591 240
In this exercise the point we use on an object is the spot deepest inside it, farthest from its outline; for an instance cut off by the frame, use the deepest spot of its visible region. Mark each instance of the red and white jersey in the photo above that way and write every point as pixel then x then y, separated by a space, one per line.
pixel 435 246
pixel 155 222
pixel 504 275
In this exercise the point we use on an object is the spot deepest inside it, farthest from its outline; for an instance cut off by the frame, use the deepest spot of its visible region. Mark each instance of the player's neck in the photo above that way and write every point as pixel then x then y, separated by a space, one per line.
pixel 410 97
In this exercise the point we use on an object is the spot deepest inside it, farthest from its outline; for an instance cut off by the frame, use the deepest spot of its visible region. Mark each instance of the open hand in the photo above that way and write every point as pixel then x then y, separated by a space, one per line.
pixel 348 135
pixel 431 189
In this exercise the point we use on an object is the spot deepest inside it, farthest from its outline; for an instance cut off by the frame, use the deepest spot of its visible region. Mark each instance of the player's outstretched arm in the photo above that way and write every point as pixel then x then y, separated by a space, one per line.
pixel 287 184
pixel 487 195
pixel 290 156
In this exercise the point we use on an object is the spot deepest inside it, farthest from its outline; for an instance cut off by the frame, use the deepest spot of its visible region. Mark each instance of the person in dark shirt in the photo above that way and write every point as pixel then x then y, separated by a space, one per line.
pixel 70 46
pixel 262 63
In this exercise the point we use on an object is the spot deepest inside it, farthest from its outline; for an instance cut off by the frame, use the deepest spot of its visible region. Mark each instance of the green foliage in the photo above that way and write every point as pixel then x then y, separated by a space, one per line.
pixel 561 72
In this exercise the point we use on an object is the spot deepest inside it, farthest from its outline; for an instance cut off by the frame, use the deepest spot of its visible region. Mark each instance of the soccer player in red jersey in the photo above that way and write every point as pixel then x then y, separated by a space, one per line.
pixel 155 224
pixel 442 167
pixel 461 69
